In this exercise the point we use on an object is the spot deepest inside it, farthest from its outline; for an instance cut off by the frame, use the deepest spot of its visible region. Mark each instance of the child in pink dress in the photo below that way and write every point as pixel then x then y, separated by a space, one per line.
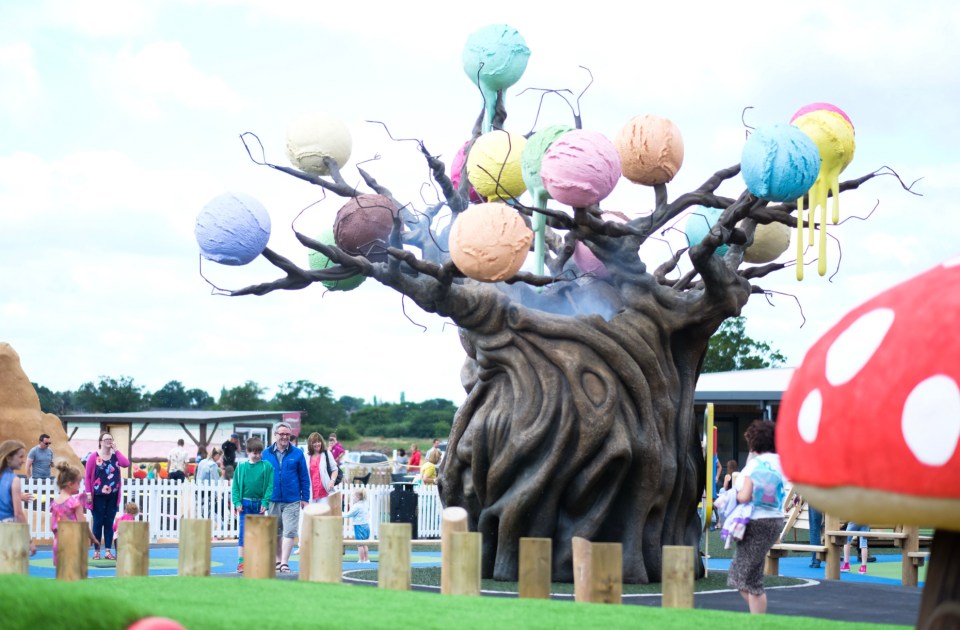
pixel 69 504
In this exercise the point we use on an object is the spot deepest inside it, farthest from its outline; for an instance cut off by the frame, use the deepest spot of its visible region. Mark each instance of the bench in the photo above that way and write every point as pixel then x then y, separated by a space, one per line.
pixel 908 539
pixel 918 558
pixel 771 564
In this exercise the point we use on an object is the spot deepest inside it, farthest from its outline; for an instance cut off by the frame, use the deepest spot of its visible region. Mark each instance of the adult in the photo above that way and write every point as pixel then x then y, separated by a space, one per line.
pixel 760 485
pixel 732 467
pixel 104 486
pixel 40 458
pixel 336 448
pixel 435 449
pixel 400 464
pixel 208 470
pixel 413 467
pixel 323 469
pixel 815 518
pixel 177 462
pixel 230 448
pixel 208 473
pixel 291 490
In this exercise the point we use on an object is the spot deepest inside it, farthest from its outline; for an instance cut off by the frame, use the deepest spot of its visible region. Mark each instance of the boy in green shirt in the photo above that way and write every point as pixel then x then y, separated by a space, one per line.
pixel 252 488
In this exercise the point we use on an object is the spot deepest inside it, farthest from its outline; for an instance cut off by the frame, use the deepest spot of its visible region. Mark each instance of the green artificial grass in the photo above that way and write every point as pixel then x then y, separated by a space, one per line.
pixel 32 603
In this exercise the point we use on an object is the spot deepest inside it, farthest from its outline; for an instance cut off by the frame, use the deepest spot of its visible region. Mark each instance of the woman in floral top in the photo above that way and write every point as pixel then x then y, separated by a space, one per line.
pixel 103 486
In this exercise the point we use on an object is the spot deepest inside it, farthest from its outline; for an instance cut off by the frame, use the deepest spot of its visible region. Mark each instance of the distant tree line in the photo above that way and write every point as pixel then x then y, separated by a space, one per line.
pixel 349 416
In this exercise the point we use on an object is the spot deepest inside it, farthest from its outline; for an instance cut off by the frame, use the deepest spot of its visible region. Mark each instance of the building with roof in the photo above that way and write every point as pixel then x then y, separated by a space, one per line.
pixel 149 436
pixel 739 398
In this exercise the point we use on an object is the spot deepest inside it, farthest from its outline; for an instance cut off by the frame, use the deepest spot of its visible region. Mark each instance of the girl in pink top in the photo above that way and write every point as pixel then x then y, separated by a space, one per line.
pixel 68 506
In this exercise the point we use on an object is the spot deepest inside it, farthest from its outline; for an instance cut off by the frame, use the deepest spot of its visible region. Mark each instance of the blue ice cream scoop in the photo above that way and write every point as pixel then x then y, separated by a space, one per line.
pixel 779 162
pixel 232 229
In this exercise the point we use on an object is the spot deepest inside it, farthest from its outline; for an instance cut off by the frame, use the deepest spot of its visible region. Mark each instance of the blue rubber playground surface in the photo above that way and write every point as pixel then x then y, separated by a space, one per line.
pixel 163 561
pixel 223 561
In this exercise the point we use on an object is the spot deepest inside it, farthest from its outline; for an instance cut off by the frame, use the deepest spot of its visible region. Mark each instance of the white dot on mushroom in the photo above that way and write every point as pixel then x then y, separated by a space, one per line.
pixel 856 345
pixel 931 420
pixel 808 420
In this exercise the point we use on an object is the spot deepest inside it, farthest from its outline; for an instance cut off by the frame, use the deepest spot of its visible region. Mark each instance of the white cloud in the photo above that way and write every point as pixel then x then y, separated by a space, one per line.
pixel 20 82
pixel 163 72
pixel 100 18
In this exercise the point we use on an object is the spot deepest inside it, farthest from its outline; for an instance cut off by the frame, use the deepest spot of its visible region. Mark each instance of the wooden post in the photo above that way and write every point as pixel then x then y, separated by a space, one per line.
pixel 395 572
pixel 909 575
pixel 581 569
pixel 677 577
pixel 597 571
pixel 832 570
pixel 194 551
pixel 259 547
pixel 771 564
pixel 336 504
pixel 325 549
pixel 464 565
pixel 306 532
pixel 536 556
pixel 14 548
pixel 73 540
pixel 133 548
pixel 453 519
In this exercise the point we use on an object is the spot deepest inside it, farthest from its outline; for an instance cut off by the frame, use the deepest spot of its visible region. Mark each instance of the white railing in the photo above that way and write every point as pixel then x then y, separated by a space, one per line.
pixel 163 502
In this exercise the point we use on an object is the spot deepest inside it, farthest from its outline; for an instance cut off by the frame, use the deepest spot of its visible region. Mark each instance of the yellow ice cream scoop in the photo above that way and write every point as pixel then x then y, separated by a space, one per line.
pixel 494 165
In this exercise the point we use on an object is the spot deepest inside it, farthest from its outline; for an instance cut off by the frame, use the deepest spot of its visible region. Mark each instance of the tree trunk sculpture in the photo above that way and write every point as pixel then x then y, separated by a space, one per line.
pixel 579 416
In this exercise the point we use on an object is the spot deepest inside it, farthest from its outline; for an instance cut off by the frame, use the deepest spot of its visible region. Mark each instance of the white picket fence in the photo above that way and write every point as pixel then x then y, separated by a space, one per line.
pixel 163 502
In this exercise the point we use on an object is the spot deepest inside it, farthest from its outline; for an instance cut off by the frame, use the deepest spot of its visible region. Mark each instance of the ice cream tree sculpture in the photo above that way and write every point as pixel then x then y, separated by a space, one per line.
pixel 581 365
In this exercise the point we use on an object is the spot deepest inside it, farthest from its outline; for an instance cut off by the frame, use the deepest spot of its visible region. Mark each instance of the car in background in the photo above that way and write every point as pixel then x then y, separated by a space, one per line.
pixel 359 463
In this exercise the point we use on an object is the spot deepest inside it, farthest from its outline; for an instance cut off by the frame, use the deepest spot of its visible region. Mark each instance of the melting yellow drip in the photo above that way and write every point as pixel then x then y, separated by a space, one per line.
pixel 835 188
pixel 800 238
pixel 822 260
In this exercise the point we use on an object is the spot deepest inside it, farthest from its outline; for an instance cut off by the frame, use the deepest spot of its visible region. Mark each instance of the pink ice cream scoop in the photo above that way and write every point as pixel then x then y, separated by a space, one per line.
pixel 456 168
pixel 651 150
pixel 580 168
pixel 587 261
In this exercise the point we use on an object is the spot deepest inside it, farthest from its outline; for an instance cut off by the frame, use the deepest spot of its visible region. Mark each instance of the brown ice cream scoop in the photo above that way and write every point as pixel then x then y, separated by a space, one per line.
pixel 362 226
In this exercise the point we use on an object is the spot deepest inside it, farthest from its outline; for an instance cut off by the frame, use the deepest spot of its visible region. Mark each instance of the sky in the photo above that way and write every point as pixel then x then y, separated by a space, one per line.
pixel 120 120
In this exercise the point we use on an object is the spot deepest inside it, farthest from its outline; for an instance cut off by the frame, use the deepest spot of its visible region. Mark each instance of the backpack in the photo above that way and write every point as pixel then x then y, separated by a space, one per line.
pixel 768 489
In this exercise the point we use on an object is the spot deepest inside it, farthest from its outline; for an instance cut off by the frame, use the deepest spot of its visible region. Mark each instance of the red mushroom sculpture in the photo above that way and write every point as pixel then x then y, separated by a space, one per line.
pixel 869 428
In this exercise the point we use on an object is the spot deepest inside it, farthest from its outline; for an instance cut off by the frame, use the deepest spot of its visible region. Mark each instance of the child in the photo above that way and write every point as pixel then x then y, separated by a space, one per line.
pixel 845 567
pixel 130 511
pixel 252 488
pixel 68 505
pixel 360 513
pixel 12 454
pixel 154 472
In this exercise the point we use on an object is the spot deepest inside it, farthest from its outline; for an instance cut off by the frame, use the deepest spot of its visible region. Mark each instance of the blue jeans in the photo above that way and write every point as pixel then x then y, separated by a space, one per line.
pixel 105 508
pixel 816 527
pixel 249 506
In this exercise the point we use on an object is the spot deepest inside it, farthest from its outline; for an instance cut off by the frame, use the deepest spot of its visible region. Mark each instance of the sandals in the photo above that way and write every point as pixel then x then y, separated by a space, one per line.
pixel 96 555
pixel 279 564
pixel 109 556
pixel 284 568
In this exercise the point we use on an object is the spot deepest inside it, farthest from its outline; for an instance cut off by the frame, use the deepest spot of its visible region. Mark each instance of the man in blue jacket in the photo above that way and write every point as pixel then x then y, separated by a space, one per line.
pixel 291 490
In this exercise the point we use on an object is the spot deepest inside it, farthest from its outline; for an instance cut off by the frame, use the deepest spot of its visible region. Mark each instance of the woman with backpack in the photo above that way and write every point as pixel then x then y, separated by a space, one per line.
pixel 759 486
